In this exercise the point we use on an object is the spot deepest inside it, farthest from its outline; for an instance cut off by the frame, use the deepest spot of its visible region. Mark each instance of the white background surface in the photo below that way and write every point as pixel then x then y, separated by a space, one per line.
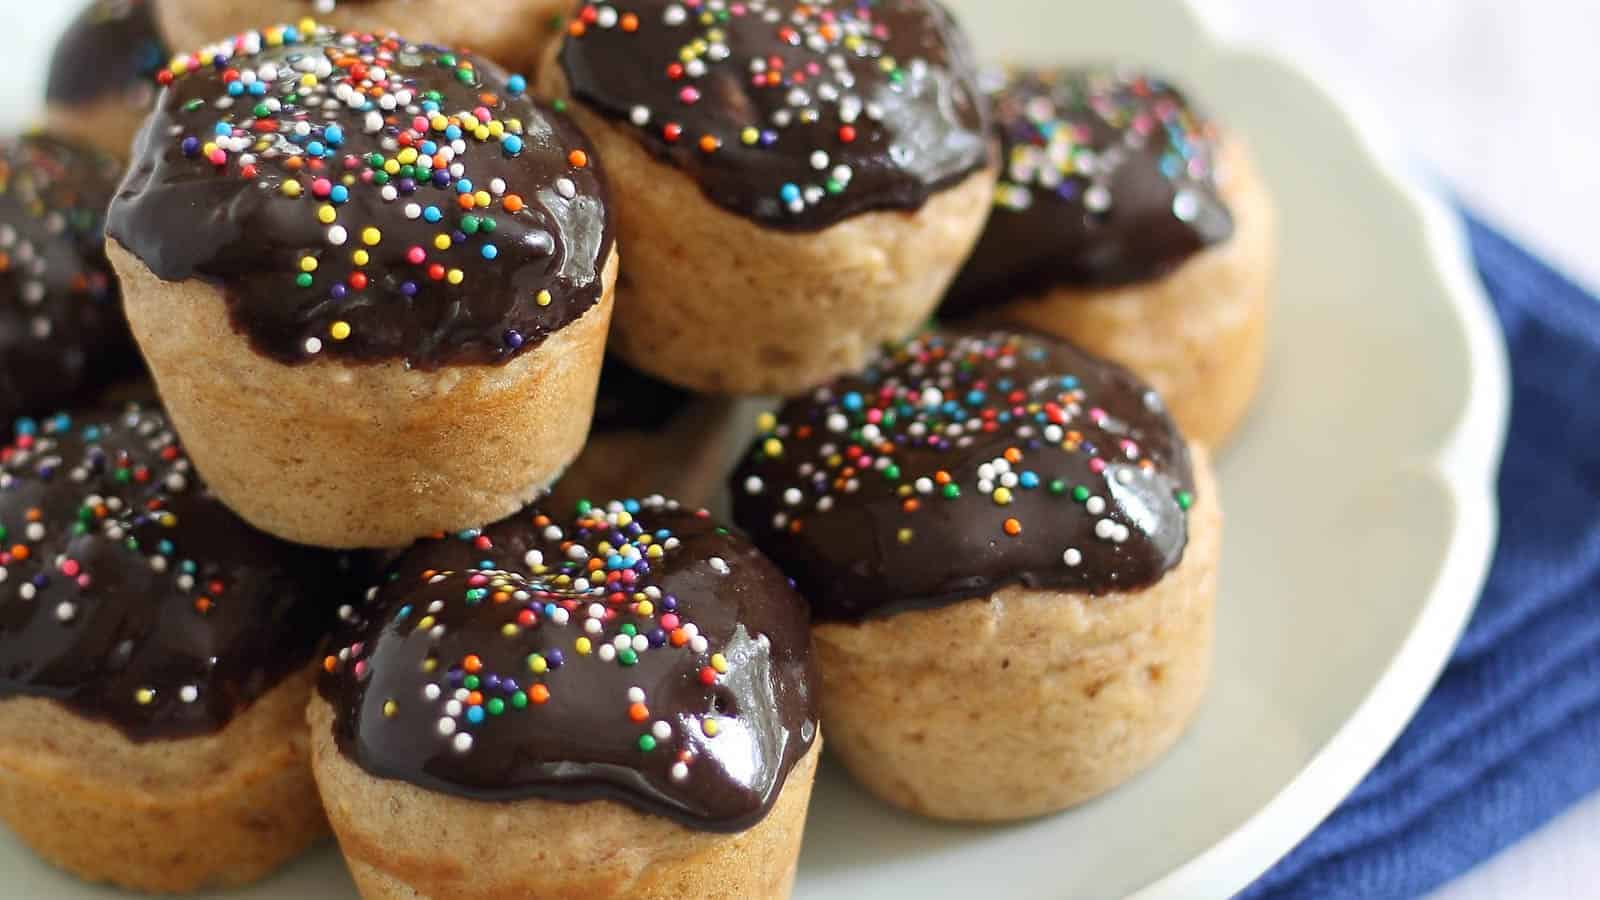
pixel 1502 100
pixel 1498 98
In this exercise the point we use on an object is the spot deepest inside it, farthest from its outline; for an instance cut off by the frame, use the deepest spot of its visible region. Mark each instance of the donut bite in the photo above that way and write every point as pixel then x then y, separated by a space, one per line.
pixel 372 280
pixel 505 30
pixel 802 179
pixel 1010 555
pixel 102 78
pixel 156 658
pixel 612 703
pixel 1129 222
pixel 62 335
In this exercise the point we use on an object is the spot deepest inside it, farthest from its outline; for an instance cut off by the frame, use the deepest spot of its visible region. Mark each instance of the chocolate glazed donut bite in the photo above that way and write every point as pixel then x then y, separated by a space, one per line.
pixel 1130 223
pixel 1010 556
pixel 802 179
pixel 372 280
pixel 62 335
pixel 156 656
pixel 103 74
pixel 500 29
pixel 623 696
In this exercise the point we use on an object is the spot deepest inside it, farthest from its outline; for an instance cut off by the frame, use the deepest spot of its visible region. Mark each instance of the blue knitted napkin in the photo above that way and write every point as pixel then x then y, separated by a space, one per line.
pixel 1510 736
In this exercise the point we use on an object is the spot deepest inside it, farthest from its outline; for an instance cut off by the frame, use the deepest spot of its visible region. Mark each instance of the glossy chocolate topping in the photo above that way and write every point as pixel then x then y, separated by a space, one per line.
pixel 636 653
pixel 630 400
pixel 130 595
pixel 795 114
pixel 368 199
pixel 62 335
pixel 1109 178
pixel 962 462
pixel 112 51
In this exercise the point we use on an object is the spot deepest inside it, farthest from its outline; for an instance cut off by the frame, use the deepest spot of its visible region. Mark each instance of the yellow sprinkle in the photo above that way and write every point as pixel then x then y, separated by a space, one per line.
pixel 654 552
pixel 207 149
pixel 371 236
pixel 391 166
pixel 496 128
pixel 624 519
pixel 903 535
pixel 646 607
pixel 481 132
pixel 307 25
pixel 538 665
pixel 482 199
pixel 327 214
pixel 390 708
pixel 544 298
pixel 424 623
pixel 308 263
pixel 709 726
pixel 360 257
pixel 438 122
pixel 1002 496
pixel 308 79
pixel 429 664
pixel 719 662
pixel 144 696
pixel 407 156
pixel 582 645
pixel 509 629
pixel 441 242
pixel 772 447
pixel 274 37
pixel 766 422
pixel 749 136
pixel 455 276
pixel 339 330
pixel 291 188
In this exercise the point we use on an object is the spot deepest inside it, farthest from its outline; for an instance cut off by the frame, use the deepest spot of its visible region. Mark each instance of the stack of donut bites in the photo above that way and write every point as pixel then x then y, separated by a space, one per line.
pixel 368 391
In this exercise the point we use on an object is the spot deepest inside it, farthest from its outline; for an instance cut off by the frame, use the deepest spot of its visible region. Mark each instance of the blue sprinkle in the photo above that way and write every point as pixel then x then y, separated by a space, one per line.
pixel 333 134
pixel 235 88
pixel 789 193
pixel 1028 480
pixel 490 251
pixel 317 149
pixel 852 401
pixel 512 144
pixel 223 129
pixel 516 84
pixel 258 88
pixel 452 132
pixel 432 214
pixel 632 506
pixel 339 194
pixel 474 714
pixel 27 426
pixel 428 148
pixel 463 186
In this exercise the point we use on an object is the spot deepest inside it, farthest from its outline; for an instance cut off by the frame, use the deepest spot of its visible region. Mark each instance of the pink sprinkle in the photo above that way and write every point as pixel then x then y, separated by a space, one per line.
pixel 482 114
pixel 218 158
pixel 84 581
pixel 416 256
pixel 1096 413
pixel 669 621
pixel 69 568
pixel 361 668
pixel 477 580
pixel 689 95
pixel 1097 465
pixel 322 187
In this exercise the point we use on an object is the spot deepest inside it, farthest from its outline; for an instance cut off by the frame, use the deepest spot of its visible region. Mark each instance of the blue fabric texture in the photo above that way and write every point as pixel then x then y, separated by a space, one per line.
pixel 1510 737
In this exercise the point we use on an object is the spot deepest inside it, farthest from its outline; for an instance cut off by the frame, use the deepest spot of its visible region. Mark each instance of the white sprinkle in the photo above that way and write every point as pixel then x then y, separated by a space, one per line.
pixel 697 644
pixel 462 742
pixel 1072 557
pixel 188 693
pixel 661 730
pixel 313 345
pixel 792 496
pixel 1104 529
pixel 447 726
pixel 337 235
pixel 533 558
pixel 1095 505
pixel 27 591
pixel 753 485
pixel 607 652
pixel 430 692
pixel 635 695
pixel 66 611
pixel 719 564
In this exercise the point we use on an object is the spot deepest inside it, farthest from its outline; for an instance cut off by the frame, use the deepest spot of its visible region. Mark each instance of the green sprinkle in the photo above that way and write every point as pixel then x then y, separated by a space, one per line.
pixel 1080 493
pixel 951 491
pixel 584 507
pixel 629 629
pixel 487 224
pixel 560 105
pixel 1058 487
pixel 469 224
pixel 647 742
pixel 627 657
pixel 303 280
pixel 519 700
pixel 891 472
pixel 1185 499
pixel 495 706
pixel 470 682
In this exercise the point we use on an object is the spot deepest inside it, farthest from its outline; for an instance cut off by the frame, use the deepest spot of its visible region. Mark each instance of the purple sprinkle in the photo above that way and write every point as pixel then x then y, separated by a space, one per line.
pixel 513 338
pixel 554 659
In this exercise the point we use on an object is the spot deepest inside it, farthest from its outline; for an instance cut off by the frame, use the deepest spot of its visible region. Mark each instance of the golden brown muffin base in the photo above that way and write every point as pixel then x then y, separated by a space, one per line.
pixel 1198 334
pixel 1029 701
pixel 717 303
pixel 108 124
pixel 363 455
pixel 167 816
pixel 508 30
pixel 402 841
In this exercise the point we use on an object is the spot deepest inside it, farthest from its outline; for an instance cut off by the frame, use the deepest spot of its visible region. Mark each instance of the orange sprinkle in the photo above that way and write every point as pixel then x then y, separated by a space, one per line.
pixel 1013 455
pixel 202 605
pixel 472 663
pixel 578 158
pixel 512 203
pixel 638 712
pixel 1012 527
pixel 576 28
pixel 475 698
pixel 709 143
pixel 34 514
pixel 911 505
pixel 538 693
pixel 941 477
pixel 329 663
pixel 19 552
pixel 630 22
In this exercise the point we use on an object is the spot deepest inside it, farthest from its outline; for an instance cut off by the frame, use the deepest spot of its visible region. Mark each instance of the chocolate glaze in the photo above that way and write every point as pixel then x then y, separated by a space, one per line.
pixel 112 50
pixel 892 489
pixel 62 335
pixel 131 595
pixel 630 400
pixel 293 280
pixel 583 740
pixel 1109 179
pixel 898 73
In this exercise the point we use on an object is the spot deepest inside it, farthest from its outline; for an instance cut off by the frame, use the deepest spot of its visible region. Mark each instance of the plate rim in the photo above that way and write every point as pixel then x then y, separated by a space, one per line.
pixel 1467 465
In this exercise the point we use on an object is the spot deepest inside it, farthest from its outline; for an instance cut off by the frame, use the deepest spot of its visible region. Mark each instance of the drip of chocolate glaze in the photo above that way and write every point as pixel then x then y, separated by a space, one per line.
pixel 112 50
pixel 796 115
pixel 960 463
pixel 132 596
pixel 332 215
pixel 62 335
pixel 1109 179
pixel 472 672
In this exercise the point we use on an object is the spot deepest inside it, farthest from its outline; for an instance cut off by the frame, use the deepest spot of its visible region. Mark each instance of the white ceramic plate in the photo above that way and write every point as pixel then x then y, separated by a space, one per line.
pixel 1360 522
